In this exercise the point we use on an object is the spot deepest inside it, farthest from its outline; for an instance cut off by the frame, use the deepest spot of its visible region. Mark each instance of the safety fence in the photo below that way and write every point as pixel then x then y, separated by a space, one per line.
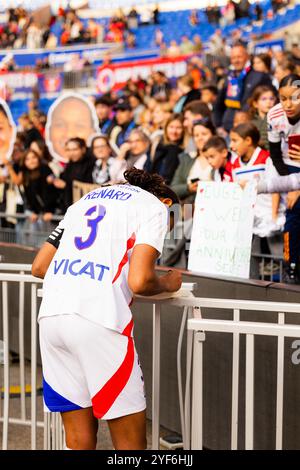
pixel 190 403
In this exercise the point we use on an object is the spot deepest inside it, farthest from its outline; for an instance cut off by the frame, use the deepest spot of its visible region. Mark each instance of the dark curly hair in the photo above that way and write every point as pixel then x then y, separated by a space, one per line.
pixel 152 183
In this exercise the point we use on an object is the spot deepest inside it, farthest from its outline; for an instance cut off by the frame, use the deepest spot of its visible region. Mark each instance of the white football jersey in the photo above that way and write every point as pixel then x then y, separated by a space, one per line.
pixel 279 130
pixel 89 272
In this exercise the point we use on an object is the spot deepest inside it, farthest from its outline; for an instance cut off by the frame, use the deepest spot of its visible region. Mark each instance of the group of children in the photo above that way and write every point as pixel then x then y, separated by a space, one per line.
pixel 242 159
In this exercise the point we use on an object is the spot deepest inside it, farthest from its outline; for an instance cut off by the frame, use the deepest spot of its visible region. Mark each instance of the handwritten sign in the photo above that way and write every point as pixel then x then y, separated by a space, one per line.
pixel 222 229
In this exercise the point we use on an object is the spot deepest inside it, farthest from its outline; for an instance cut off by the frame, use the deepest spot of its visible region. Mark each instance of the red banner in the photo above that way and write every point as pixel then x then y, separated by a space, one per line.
pixel 115 76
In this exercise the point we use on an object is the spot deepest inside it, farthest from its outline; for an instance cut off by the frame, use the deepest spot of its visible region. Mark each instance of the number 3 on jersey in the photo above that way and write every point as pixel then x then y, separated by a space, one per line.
pixel 93 224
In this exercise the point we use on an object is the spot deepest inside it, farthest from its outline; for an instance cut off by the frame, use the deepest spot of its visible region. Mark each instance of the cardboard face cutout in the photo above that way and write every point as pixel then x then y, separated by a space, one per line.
pixel 8 131
pixel 71 115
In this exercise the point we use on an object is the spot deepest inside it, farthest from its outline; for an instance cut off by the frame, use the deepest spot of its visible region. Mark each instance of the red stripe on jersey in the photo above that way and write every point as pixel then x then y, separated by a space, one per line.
pixel 277 109
pixel 276 112
pixel 261 159
pixel 130 244
pixel 279 114
pixel 128 329
pixel 105 398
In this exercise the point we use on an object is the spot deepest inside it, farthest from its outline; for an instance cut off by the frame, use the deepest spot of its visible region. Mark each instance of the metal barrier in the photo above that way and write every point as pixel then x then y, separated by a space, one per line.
pixel 53 431
pixel 21 279
pixel 270 267
pixel 199 327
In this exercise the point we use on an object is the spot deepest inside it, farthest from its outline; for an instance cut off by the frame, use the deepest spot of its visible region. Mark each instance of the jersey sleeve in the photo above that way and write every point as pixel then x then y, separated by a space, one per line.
pixel 273 134
pixel 153 228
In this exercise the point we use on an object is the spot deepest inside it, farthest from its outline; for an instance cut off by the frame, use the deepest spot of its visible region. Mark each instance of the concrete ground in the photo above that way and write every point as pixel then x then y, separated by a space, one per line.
pixel 19 436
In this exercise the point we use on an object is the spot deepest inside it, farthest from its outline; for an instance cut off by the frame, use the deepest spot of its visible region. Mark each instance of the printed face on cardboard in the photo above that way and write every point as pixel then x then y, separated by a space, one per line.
pixel 71 115
pixel 8 131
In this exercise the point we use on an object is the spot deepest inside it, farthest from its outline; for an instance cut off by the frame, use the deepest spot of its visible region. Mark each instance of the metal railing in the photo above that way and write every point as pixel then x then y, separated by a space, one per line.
pixel 191 306
pixel 21 279
pixel 200 326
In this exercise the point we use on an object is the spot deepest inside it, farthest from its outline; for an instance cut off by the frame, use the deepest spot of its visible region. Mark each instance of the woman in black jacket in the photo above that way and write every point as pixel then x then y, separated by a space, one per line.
pixel 33 175
pixel 165 160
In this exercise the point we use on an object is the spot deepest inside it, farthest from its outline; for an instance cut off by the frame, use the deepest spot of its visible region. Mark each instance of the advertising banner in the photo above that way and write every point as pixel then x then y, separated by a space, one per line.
pixel 115 76
pixel 275 45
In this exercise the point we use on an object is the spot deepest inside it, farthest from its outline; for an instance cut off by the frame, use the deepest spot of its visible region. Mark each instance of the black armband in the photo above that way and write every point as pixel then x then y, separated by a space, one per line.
pixel 55 236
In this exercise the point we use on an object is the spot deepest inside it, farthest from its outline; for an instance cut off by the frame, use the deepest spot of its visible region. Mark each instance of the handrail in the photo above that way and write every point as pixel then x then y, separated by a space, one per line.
pixel 15 267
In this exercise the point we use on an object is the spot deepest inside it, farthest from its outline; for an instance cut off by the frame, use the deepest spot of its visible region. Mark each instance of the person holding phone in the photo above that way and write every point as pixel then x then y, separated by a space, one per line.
pixel 283 136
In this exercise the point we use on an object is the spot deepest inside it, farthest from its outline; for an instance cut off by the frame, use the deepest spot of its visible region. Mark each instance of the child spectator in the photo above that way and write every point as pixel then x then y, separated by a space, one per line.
pixel 261 102
pixel 220 159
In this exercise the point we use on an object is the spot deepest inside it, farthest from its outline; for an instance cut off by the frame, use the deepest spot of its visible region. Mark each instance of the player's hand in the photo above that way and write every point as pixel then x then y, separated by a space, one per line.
pixel 292 198
pixel 173 280
pixel 294 152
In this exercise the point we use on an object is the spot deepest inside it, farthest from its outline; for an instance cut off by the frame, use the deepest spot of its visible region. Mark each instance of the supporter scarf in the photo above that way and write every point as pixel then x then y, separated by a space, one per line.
pixel 235 88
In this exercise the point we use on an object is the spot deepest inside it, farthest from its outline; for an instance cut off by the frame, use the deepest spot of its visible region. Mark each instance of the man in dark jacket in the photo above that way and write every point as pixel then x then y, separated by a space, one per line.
pixel 238 87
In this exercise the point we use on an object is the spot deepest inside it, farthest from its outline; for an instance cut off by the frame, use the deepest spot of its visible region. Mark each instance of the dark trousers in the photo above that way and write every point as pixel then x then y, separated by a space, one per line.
pixel 292 230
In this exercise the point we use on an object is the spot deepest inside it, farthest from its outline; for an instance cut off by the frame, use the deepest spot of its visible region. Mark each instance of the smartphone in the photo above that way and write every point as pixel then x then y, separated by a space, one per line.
pixel 194 180
pixel 294 140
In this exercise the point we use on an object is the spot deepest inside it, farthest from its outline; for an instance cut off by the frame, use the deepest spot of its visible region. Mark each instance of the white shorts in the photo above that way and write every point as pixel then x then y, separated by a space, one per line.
pixel 85 364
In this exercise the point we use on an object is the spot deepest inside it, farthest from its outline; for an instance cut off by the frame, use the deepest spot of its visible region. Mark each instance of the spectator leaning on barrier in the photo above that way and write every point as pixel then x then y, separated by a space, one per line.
pixel 238 87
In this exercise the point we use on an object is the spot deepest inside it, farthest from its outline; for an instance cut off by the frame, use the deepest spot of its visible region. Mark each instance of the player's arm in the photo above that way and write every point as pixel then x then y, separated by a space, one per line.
pixel 142 278
pixel 45 255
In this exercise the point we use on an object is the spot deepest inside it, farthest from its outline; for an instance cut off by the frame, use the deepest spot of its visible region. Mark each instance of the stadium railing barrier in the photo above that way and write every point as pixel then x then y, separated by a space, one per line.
pixel 191 422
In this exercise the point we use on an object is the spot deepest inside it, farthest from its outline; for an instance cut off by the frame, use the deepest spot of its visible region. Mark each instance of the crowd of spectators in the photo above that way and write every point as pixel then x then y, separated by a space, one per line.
pixel 210 124
pixel 25 30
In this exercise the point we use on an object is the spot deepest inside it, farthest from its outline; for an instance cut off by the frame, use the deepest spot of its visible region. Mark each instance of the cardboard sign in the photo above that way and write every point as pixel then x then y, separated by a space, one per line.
pixel 71 115
pixel 8 131
pixel 222 229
